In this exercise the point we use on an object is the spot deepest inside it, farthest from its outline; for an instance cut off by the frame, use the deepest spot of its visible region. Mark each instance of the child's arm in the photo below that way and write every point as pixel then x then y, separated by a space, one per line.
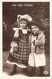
pixel 14 47
pixel 14 44
pixel 40 41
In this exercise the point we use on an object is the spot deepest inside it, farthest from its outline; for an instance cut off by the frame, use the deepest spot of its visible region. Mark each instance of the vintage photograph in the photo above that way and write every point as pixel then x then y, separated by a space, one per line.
pixel 26 39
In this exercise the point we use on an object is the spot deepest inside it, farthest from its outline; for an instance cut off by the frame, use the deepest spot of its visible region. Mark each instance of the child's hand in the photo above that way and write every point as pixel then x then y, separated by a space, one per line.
pixel 15 49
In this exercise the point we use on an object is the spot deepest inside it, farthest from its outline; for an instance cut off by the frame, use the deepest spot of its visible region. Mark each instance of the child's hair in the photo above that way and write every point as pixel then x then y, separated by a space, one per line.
pixel 24 20
pixel 39 25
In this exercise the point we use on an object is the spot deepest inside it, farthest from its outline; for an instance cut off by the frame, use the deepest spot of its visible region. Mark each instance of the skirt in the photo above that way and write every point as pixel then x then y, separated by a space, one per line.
pixel 36 60
pixel 21 57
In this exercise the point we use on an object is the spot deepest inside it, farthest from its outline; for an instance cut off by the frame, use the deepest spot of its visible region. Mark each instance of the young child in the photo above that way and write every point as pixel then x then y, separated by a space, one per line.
pixel 37 47
pixel 19 52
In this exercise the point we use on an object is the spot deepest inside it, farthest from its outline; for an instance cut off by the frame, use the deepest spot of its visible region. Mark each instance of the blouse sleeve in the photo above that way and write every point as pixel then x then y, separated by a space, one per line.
pixel 16 35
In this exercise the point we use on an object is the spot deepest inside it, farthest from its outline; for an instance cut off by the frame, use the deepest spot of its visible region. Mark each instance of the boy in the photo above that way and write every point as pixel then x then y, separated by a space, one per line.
pixel 37 47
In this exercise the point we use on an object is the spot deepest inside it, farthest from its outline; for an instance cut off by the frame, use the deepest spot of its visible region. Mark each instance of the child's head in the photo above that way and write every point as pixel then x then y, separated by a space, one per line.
pixel 36 28
pixel 23 20
pixel 23 23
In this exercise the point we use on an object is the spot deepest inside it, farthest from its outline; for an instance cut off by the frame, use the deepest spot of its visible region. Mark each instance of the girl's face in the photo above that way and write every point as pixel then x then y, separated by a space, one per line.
pixel 23 24
pixel 35 29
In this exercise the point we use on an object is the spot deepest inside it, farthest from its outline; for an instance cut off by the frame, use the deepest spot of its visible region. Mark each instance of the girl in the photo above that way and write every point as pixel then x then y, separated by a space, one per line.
pixel 19 52
pixel 37 47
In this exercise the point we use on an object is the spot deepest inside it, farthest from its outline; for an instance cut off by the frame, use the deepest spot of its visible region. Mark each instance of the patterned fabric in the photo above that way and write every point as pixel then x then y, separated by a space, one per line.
pixel 22 55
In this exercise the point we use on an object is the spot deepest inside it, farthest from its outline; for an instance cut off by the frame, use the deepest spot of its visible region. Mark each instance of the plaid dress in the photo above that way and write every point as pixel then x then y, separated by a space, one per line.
pixel 22 55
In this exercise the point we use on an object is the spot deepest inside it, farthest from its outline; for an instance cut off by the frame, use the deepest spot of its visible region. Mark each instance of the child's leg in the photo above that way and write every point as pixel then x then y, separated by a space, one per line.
pixel 13 71
pixel 41 70
pixel 30 70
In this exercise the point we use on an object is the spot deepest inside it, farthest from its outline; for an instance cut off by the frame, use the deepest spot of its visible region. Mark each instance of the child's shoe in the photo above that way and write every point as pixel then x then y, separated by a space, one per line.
pixel 13 71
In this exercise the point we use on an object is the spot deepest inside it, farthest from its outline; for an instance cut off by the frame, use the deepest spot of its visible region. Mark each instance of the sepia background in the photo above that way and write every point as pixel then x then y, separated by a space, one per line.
pixel 40 11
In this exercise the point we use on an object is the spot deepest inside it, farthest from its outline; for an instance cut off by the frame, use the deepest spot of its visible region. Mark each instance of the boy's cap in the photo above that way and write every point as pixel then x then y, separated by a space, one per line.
pixel 39 25
pixel 25 17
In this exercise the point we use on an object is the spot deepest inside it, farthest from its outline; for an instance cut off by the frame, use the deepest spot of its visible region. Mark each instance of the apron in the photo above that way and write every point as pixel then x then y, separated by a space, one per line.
pixel 22 56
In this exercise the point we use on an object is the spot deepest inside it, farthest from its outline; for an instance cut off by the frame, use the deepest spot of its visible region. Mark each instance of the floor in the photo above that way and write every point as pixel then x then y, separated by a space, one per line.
pixel 7 68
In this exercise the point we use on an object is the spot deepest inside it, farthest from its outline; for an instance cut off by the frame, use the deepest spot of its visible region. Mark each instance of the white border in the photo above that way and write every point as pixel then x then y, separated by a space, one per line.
pixel 50 36
pixel 0 38
pixel 25 0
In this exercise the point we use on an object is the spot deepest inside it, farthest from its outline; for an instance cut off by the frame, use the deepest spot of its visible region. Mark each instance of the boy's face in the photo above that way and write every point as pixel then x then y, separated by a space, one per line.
pixel 35 29
pixel 23 24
